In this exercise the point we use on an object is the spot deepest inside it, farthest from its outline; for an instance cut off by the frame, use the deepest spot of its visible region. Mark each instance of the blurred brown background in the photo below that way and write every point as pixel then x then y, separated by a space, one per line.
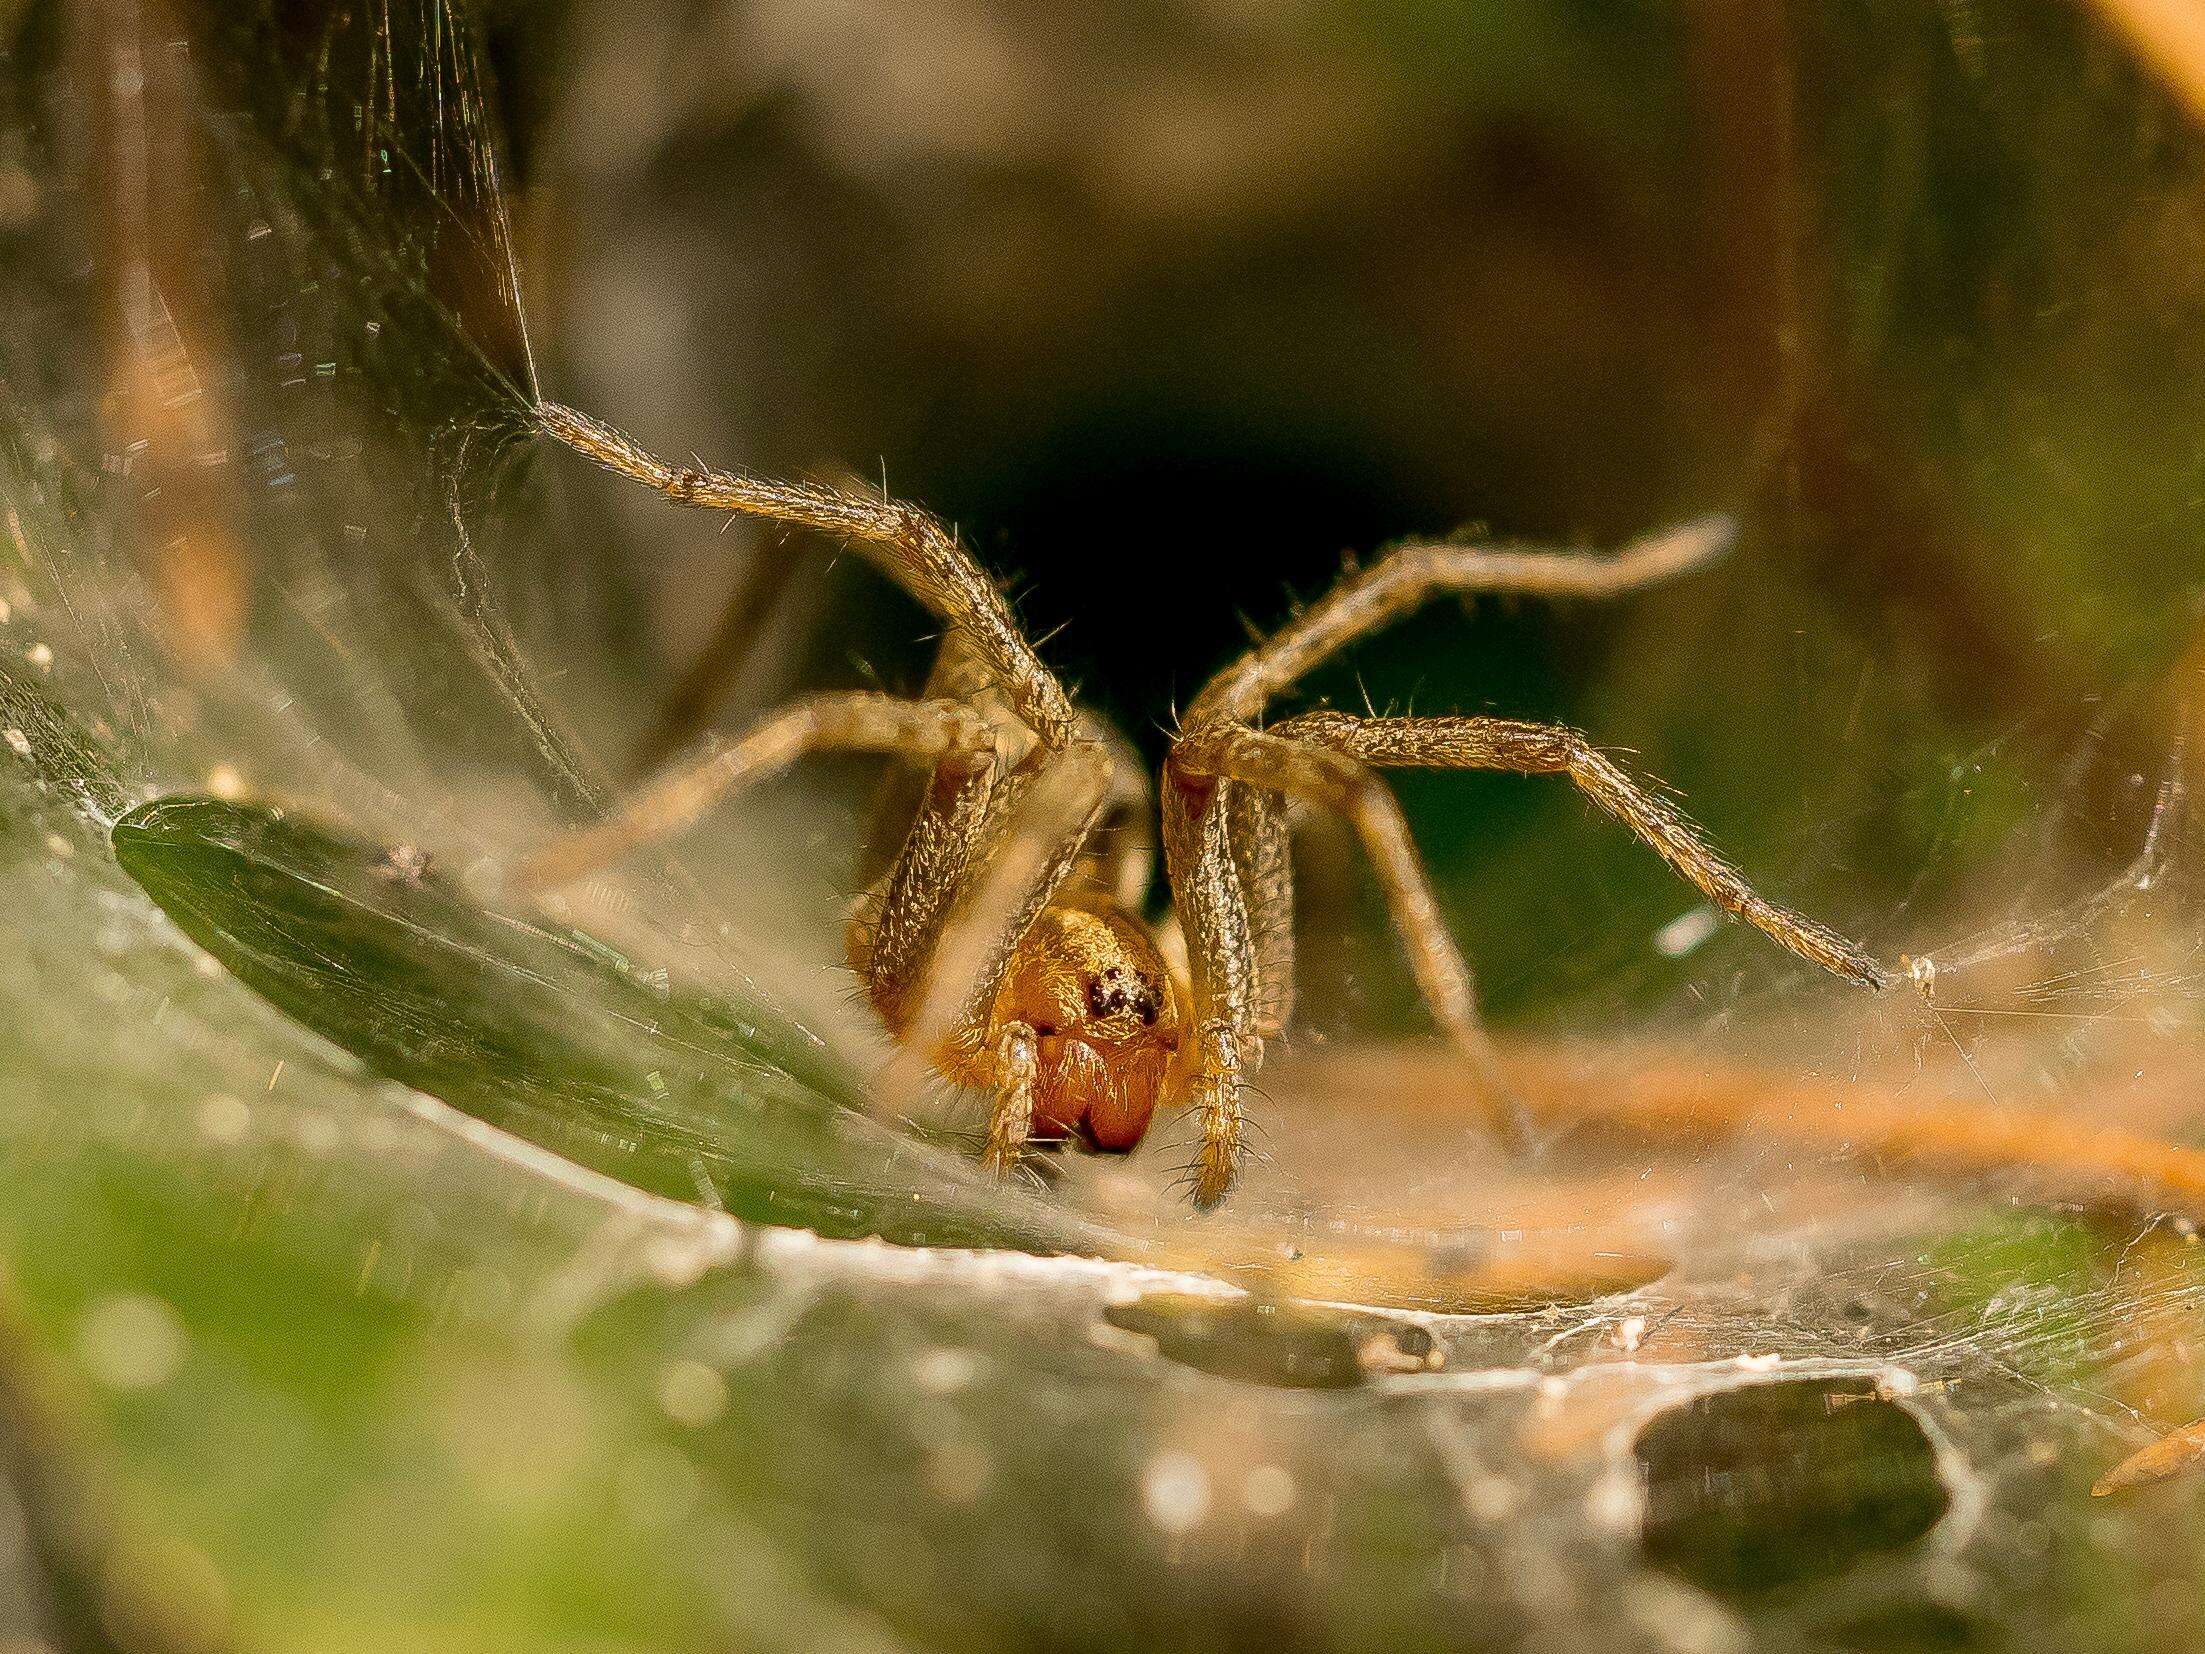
pixel 1173 305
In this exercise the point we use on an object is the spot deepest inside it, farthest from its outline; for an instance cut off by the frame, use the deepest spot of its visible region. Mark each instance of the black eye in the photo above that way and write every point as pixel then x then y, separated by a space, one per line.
pixel 1100 1000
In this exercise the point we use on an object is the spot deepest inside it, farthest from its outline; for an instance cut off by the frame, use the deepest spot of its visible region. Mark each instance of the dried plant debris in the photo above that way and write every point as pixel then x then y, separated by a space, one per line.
pixel 2177 1453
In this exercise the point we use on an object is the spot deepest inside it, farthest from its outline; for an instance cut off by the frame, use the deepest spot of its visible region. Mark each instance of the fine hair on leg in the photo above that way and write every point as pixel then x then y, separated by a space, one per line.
pixel 1328 780
pixel 1409 576
pixel 1522 748
pixel 907 544
pixel 982 860
pixel 686 789
pixel 1036 836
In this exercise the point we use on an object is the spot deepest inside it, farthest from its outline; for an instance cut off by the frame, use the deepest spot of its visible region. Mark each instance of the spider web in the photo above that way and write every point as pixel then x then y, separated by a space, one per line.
pixel 1810 1321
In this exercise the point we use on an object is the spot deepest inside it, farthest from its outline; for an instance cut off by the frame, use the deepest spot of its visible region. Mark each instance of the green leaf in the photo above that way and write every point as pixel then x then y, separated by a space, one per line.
pixel 554 1037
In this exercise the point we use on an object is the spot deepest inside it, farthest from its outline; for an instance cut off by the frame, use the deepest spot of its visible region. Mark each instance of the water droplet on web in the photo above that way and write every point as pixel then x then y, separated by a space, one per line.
pixel 1687 931
pixel 692 1394
pixel 1175 1492
pixel 1268 1492
pixel 131 1341
pixel 225 1119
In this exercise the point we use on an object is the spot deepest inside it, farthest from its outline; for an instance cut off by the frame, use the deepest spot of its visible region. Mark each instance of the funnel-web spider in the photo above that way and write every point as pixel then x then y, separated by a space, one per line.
pixel 1005 944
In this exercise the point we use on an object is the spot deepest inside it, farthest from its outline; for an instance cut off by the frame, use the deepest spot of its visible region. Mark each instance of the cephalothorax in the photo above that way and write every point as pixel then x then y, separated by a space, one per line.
pixel 1003 942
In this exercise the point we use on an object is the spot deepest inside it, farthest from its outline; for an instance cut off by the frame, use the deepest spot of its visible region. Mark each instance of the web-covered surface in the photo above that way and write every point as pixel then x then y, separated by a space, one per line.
pixel 389 1265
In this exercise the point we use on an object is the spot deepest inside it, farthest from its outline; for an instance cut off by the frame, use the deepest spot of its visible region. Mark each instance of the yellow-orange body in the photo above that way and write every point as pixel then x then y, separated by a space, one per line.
pixel 1105 1010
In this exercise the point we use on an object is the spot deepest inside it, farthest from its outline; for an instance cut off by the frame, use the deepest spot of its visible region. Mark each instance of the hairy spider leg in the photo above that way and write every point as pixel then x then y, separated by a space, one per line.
pixel 1212 907
pixel 983 857
pixel 958 741
pixel 1224 915
pixel 1121 852
pixel 1522 748
pixel 1035 838
pixel 1227 872
pixel 911 547
pixel 1409 576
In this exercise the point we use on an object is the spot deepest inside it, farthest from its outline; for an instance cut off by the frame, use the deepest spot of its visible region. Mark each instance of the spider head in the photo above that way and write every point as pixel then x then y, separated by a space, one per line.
pixel 1089 980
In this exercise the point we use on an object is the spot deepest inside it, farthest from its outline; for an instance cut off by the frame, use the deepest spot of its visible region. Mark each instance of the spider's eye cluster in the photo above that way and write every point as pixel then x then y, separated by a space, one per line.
pixel 1116 990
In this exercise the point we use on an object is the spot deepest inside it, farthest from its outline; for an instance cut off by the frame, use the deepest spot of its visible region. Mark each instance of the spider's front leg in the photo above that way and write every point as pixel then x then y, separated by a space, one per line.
pixel 1214 1096
pixel 1306 751
pixel 1225 957
pixel 1328 759
pixel 1010 782
pixel 1017 1073
pixel 1236 905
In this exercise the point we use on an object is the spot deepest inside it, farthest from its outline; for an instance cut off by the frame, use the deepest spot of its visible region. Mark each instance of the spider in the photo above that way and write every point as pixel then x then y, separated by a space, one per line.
pixel 1004 944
